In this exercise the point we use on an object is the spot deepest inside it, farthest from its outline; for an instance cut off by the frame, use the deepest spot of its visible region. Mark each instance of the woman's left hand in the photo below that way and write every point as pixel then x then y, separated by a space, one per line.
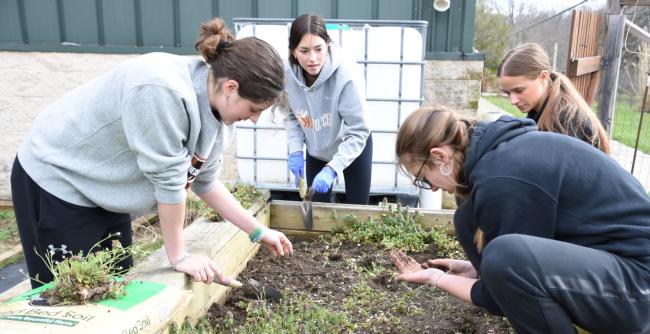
pixel 277 242
pixel 412 271
pixel 424 276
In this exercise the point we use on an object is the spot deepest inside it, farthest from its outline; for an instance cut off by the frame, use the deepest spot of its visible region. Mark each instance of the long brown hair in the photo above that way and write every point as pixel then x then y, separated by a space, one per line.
pixel 303 25
pixel 250 61
pixel 430 127
pixel 566 112
pixel 435 126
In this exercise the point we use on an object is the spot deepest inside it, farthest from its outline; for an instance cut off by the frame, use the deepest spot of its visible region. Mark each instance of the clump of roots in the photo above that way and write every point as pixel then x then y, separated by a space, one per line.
pixel 80 278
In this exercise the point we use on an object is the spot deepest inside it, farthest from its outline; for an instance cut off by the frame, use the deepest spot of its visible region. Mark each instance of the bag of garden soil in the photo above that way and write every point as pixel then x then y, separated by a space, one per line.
pixel 147 307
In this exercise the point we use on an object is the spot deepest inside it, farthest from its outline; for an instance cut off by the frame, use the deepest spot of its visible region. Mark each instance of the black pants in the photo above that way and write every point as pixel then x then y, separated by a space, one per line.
pixel 47 225
pixel 357 176
pixel 545 286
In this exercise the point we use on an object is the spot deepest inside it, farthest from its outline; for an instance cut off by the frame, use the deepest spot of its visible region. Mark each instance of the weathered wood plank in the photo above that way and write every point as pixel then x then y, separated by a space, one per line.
pixel 11 254
pixel 300 234
pixel 223 242
pixel 287 215
pixel 584 65
pixel 609 79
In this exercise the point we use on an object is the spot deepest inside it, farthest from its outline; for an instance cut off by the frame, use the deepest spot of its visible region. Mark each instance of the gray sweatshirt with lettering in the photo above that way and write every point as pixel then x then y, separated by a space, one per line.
pixel 328 116
pixel 130 138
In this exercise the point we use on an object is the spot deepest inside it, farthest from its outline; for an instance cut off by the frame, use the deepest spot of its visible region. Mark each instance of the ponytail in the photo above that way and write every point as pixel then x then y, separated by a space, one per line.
pixel 567 112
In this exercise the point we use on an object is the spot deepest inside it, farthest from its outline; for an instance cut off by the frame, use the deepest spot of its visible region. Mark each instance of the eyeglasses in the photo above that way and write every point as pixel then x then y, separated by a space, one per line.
pixel 421 182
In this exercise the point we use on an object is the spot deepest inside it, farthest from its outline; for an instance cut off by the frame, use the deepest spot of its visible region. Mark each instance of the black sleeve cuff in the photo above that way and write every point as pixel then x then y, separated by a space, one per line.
pixel 481 297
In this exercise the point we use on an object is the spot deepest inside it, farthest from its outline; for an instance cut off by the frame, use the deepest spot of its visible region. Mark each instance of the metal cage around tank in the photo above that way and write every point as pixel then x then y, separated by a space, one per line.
pixel 387 52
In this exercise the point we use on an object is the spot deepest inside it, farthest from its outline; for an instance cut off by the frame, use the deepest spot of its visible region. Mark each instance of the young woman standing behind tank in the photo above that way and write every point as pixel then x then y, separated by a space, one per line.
pixel 549 98
pixel 327 114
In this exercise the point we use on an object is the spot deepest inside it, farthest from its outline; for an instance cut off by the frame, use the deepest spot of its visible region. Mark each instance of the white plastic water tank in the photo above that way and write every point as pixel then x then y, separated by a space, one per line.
pixel 389 54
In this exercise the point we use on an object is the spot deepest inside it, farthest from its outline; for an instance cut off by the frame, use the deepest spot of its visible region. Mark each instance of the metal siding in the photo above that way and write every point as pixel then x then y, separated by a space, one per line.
pixel 321 7
pixel 469 15
pixel 157 23
pixel 229 9
pixel 119 18
pixel 42 21
pixel 171 25
pixel 192 14
pixel 80 21
pixel 394 10
pixel 357 10
pixel 9 17
pixel 275 9
pixel 439 33
pixel 455 26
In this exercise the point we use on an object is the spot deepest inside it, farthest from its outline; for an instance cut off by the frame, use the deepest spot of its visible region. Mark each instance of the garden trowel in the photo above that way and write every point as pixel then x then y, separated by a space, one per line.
pixel 253 288
pixel 305 206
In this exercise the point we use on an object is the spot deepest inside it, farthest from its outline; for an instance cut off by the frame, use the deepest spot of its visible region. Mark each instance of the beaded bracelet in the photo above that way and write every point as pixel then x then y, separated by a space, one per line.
pixel 256 235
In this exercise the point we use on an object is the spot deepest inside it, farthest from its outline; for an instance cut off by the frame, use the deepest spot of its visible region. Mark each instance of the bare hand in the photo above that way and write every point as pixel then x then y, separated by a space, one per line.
pixel 201 268
pixel 455 267
pixel 277 242
pixel 423 276
pixel 404 263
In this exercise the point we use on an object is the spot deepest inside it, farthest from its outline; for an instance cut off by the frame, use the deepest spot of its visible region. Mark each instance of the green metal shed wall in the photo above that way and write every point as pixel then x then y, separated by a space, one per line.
pixel 140 26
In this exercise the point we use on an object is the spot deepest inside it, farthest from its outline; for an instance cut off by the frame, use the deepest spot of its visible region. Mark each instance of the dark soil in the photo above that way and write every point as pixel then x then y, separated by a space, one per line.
pixel 329 273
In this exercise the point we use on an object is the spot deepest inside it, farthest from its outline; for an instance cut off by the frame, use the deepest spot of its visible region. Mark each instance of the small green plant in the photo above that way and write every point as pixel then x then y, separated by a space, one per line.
pixel 245 194
pixel 296 314
pixel 146 240
pixel 396 228
pixel 83 278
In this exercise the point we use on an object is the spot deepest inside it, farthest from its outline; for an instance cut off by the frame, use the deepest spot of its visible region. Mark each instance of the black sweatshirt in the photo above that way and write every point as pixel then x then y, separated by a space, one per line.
pixel 548 185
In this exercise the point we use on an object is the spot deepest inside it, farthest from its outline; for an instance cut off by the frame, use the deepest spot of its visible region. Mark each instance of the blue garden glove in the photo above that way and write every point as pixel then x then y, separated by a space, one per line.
pixel 324 179
pixel 297 165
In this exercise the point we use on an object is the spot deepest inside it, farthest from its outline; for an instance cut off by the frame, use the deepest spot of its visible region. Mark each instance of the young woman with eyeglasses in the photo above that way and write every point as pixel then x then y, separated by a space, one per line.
pixel 556 232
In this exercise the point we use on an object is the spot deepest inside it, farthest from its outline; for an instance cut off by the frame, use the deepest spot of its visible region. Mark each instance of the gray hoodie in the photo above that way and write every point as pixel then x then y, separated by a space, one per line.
pixel 329 116
pixel 126 140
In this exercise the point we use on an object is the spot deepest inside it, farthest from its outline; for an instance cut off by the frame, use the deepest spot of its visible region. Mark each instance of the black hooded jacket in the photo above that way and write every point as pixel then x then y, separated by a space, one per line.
pixel 548 185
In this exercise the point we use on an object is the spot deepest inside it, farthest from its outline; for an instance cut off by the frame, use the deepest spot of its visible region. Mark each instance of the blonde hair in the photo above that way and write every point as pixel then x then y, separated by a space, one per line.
pixel 565 108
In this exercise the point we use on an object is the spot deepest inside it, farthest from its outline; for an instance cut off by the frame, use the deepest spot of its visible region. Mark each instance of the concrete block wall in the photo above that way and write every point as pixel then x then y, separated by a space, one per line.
pixel 30 81
pixel 453 83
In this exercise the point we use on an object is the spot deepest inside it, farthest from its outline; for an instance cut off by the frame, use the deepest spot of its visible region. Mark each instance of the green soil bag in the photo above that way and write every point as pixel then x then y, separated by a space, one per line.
pixel 147 307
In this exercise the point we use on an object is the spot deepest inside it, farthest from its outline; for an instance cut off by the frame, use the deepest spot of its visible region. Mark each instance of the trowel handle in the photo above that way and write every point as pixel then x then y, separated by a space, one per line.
pixel 231 282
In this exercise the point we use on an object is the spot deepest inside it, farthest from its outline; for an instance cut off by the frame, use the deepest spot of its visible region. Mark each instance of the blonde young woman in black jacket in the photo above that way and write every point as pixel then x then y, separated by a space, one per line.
pixel 547 97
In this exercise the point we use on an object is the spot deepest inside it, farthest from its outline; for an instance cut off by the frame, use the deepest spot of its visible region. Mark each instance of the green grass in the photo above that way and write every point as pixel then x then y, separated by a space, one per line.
pixel 626 125
pixel 9 229
pixel 504 104
pixel 626 121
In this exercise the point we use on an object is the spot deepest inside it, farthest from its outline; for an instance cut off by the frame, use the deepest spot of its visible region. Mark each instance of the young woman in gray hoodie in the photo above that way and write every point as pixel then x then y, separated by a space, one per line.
pixel 132 141
pixel 327 115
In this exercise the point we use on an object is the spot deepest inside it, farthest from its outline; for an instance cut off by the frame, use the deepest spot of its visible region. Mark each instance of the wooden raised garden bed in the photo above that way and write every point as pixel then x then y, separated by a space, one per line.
pixel 317 268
